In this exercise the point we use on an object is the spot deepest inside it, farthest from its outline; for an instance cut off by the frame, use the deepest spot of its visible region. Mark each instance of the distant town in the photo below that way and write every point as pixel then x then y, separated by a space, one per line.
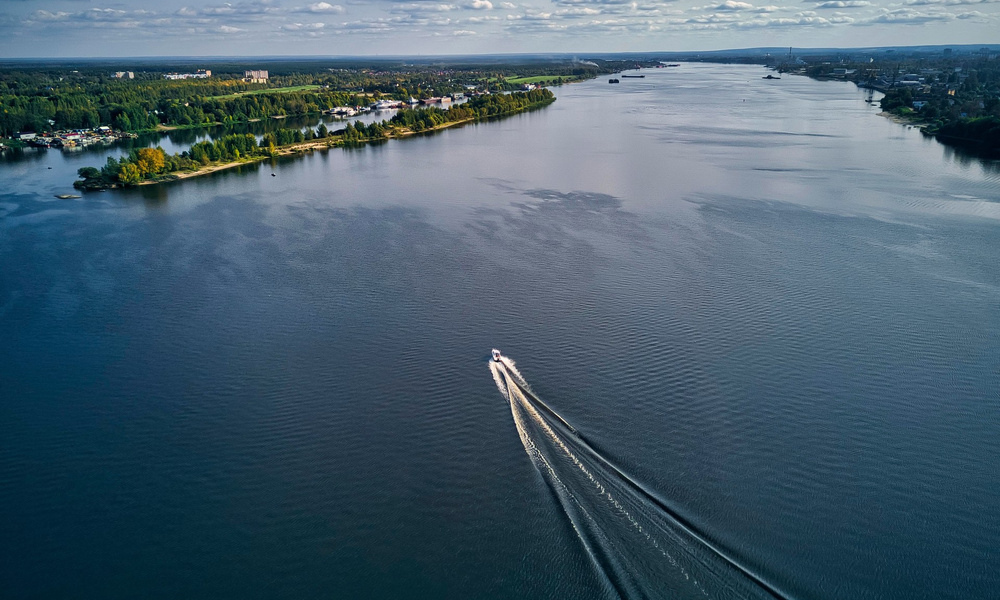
pixel 952 95
pixel 56 107
pixel 950 92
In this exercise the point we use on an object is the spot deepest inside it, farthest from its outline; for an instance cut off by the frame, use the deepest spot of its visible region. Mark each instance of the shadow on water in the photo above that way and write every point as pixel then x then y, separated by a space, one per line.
pixel 638 545
pixel 969 156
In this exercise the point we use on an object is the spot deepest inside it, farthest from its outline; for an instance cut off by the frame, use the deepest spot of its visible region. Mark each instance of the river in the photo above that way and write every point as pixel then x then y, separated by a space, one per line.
pixel 774 312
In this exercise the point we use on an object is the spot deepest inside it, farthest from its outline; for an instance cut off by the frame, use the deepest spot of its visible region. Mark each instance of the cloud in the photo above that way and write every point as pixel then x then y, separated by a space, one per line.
pixel 578 11
pixel 712 18
pixel 735 6
pixel 947 2
pixel 367 26
pixel 253 7
pixel 303 26
pixel 241 11
pixel 796 21
pixel 463 32
pixel 92 17
pixel 601 2
pixel 422 7
pixel 228 30
pixel 747 20
pixel 508 5
pixel 844 4
pixel 44 15
pixel 481 5
pixel 908 16
pixel 325 7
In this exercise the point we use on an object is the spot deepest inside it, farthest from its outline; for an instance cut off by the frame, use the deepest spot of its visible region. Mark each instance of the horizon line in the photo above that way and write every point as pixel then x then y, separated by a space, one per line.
pixel 496 54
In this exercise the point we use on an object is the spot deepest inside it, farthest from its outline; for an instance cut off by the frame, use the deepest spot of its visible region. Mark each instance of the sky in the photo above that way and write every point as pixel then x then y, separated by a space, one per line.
pixel 109 28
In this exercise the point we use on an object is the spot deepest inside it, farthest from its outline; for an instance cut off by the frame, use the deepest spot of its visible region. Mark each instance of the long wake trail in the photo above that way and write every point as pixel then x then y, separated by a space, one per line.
pixel 639 547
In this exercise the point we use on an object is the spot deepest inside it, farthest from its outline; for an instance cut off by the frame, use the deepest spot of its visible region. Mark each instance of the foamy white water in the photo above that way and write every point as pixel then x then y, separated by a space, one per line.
pixel 638 548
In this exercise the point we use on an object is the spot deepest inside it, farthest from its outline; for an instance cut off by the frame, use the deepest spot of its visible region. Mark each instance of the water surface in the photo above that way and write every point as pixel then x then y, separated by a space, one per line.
pixel 772 308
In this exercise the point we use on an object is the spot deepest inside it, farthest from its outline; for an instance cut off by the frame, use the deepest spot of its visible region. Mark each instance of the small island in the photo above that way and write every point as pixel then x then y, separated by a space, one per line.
pixel 152 165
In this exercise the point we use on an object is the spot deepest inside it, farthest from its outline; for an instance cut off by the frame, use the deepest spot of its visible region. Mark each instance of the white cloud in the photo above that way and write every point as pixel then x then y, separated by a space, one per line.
pixel 602 2
pixel 947 2
pixel 463 32
pixel 578 11
pixel 481 5
pixel 844 4
pixel 325 7
pixel 303 26
pixel 422 7
pixel 908 16
pixel 734 5
pixel 44 15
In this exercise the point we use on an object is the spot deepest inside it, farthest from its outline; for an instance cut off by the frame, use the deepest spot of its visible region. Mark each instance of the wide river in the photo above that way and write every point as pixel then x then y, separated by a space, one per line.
pixel 775 313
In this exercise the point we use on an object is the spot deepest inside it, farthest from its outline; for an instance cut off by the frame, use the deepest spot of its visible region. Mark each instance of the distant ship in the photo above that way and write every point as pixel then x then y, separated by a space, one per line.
pixel 613 81
pixel 639 76
pixel 496 355
pixel 770 77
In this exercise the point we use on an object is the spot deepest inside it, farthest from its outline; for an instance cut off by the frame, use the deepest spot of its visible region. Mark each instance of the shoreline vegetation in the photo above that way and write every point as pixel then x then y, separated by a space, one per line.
pixel 951 96
pixel 980 132
pixel 148 166
pixel 44 97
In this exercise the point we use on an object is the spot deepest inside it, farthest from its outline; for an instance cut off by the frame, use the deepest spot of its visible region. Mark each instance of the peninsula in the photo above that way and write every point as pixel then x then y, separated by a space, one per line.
pixel 152 165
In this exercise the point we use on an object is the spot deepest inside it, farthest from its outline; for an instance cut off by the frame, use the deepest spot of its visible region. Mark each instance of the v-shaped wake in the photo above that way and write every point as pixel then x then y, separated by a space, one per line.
pixel 639 547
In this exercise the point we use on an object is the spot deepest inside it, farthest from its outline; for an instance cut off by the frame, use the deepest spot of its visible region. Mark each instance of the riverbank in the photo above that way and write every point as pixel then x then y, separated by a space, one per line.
pixel 324 144
pixel 950 100
pixel 901 119
pixel 152 166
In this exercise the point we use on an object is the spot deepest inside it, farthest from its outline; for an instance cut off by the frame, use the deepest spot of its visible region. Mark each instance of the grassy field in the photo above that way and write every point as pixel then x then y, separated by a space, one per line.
pixel 284 90
pixel 538 78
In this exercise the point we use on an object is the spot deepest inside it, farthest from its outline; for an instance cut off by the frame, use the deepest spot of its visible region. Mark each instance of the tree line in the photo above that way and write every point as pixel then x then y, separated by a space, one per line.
pixel 37 99
pixel 148 164
pixel 153 163
pixel 480 107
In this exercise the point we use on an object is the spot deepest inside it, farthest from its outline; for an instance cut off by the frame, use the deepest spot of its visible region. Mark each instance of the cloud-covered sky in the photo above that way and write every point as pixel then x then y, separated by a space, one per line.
pixel 30 28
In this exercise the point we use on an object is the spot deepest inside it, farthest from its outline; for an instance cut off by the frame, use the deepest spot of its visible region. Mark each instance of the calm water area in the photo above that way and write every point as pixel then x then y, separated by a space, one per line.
pixel 771 309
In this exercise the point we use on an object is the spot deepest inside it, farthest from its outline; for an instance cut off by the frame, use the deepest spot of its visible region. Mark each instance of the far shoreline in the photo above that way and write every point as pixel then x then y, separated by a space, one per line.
pixel 291 150
pixel 300 148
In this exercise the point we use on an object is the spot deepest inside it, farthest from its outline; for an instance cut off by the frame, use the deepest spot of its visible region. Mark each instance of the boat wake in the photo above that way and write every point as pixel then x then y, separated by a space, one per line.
pixel 639 547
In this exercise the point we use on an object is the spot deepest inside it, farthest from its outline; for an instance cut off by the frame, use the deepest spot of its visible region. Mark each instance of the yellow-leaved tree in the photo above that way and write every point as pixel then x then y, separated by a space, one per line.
pixel 128 174
pixel 150 161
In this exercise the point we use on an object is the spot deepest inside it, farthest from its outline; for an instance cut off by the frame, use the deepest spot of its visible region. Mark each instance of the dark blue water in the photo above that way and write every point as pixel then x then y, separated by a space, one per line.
pixel 770 308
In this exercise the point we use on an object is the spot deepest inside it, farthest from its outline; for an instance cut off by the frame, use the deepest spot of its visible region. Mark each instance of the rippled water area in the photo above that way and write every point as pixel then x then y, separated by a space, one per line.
pixel 760 323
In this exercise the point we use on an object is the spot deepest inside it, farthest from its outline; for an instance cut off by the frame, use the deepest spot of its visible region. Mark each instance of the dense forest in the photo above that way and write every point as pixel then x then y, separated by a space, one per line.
pixel 153 164
pixel 137 106
pixel 46 99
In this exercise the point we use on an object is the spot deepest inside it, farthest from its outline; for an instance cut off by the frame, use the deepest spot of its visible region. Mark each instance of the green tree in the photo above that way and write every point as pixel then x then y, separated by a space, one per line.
pixel 129 174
